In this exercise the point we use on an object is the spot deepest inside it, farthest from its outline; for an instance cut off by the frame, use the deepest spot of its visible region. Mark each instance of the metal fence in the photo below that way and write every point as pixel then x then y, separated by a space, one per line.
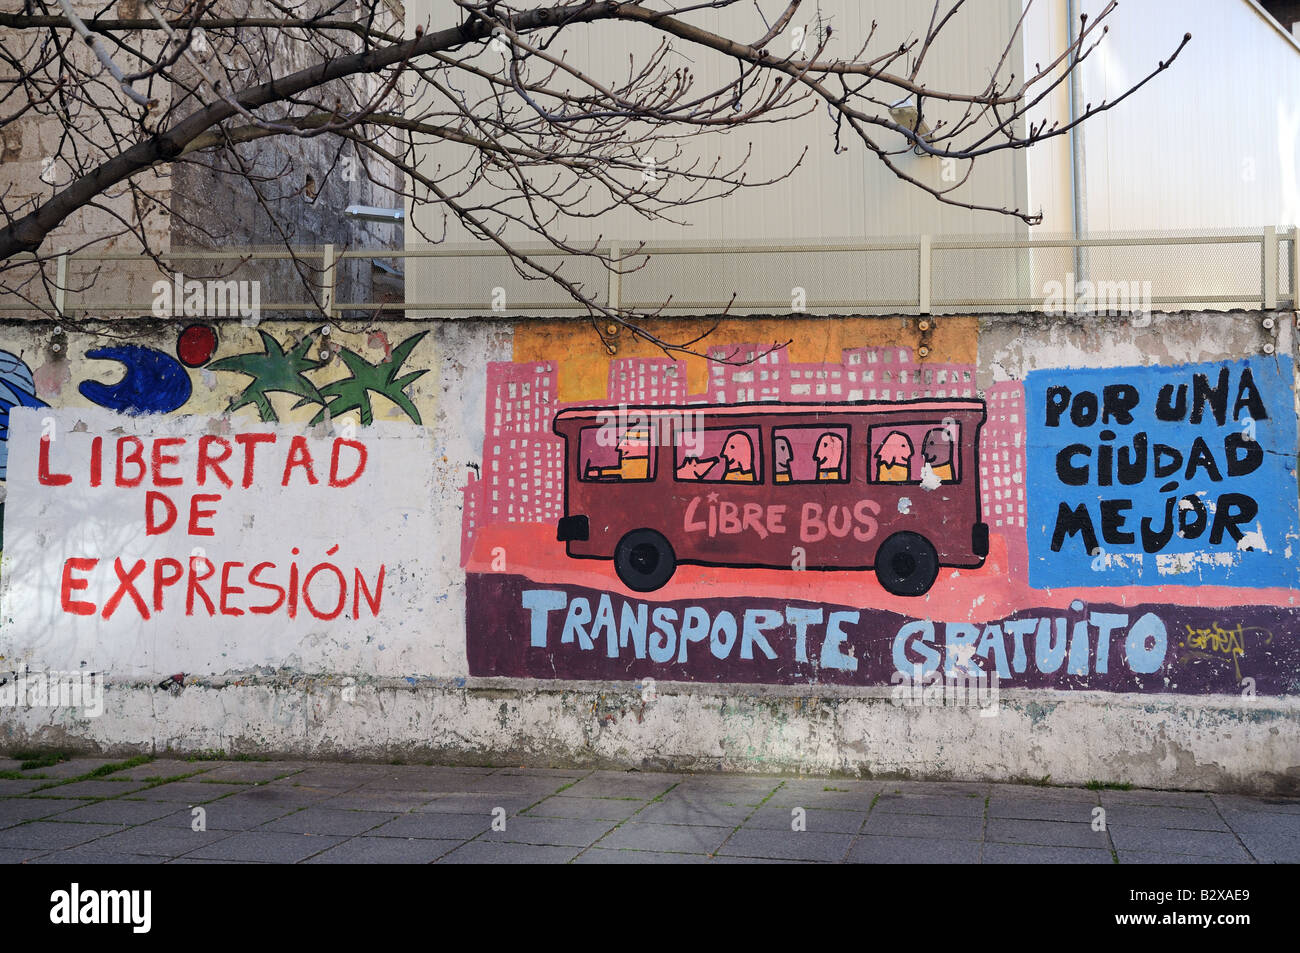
pixel 1223 270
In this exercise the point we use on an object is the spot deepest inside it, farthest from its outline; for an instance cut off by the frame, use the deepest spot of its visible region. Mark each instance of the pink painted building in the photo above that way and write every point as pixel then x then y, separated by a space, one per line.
pixel 1002 458
pixel 523 461
pixel 647 380
pixel 739 383
pixel 471 502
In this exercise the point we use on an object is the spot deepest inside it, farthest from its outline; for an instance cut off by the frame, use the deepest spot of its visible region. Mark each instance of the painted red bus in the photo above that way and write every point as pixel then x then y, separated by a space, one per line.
pixel 889 486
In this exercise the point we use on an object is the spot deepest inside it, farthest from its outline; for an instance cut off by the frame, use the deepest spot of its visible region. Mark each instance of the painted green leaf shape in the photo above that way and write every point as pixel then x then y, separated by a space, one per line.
pixel 353 393
pixel 273 371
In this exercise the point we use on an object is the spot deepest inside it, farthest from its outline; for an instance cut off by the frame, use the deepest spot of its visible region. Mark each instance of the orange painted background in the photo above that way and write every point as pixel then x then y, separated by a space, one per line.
pixel 584 359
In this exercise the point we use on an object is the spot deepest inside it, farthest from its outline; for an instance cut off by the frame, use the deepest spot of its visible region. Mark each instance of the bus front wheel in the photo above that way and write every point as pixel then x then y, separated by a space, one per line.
pixel 644 560
pixel 907 564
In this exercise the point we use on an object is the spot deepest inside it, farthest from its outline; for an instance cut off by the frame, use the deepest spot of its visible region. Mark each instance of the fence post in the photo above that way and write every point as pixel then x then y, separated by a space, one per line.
pixel 923 275
pixel 61 282
pixel 1295 267
pixel 327 282
pixel 1269 252
pixel 614 295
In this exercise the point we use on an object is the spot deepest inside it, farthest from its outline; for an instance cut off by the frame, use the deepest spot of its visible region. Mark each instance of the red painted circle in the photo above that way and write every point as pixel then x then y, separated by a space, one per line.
pixel 197 344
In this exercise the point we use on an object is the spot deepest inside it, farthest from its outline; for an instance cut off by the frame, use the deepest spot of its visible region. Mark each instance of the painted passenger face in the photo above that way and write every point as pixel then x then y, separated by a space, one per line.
pixel 783 455
pixel 896 450
pixel 937 447
pixel 738 452
pixel 829 452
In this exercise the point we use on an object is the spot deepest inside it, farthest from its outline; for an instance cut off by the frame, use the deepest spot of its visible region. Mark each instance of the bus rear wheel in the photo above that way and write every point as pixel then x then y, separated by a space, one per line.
pixel 644 560
pixel 907 564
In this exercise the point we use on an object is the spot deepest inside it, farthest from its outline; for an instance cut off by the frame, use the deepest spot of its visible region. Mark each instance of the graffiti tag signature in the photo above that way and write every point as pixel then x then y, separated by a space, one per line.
pixel 1215 640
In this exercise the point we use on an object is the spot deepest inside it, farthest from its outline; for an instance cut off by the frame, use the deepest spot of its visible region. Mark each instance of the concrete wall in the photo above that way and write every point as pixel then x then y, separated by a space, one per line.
pixel 1159 659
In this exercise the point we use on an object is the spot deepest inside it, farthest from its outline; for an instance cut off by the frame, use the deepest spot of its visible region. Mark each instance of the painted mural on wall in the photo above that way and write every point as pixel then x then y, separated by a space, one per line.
pixel 255 497
pixel 874 515
pixel 842 510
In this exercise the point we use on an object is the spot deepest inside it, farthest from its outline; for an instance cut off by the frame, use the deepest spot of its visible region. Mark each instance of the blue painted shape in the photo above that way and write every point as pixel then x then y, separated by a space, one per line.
pixel 154 382
pixel 17 389
pixel 1194 493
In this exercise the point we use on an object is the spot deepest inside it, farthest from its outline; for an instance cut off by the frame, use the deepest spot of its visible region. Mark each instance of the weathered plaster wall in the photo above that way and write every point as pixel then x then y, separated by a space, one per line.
pixel 464 670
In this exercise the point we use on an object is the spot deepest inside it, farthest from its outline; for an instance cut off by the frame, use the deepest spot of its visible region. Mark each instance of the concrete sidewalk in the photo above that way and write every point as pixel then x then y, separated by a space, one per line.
pixel 89 810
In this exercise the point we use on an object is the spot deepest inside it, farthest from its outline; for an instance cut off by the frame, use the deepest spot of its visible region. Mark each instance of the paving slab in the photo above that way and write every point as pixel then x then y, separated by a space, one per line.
pixel 95 789
pixel 1256 822
pixel 1045 833
pixel 52 835
pixel 813 819
pixel 320 820
pixel 1043 792
pixel 123 812
pixel 385 850
pixel 253 771
pixel 738 790
pixel 787 845
pixel 1159 857
pixel 599 855
pixel 157 838
pixel 161 768
pixel 387 802
pixel 1272 847
pixel 704 813
pixel 509 785
pixel 88 855
pixel 1191 799
pixel 831 795
pixel 447 780
pixel 342 777
pixel 228 814
pixel 1263 805
pixel 614 785
pixel 1043 809
pixel 727 859
pixel 676 838
pixel 942 826
pixel 437 826
pixel 1034 854
pixel 973 789
pixel 1176 818
pixel 199 860
pixel 15 811
pixel 951 805
pixel 187 792
pixel 10 788
pixel 71 769
pixel 17 855
pixel 275 792
pixel 267 847
pixel 480 852
pixel 885 849
pixel 550 831
pixel 571 774
pixel 593 808
pixel 1200 843
pixel 475 804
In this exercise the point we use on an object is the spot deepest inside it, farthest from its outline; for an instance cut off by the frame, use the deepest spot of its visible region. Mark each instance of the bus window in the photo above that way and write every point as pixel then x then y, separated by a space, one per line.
pixel 915 453
pixel 615 455
pixel 810 454
pixel 719 455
